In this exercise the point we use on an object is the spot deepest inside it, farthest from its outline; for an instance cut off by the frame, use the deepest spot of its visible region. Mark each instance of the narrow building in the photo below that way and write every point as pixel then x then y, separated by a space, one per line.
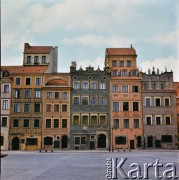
pixel 125 98
pixel 90 104
pixel 159 109
pixel 5 97
pixel 56 111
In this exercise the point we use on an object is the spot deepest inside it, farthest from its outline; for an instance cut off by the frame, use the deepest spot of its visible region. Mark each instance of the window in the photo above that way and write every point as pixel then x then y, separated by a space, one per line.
pixel 76 101
pixel 36 123
pixel 147 102
pixel 27 93
pixel 64 95
pixel 102 101
pixel 128 63
pixel 102 120
pixel 121 63
pixel 115 88
pixel 162 86
pixel 93 100
pixel 57 95
pixel 102 85
pixel 77 140
pixel 27 81
pixel 123 73
pixel 31 141
pixel 136 123
pixel 125 106
pixel 84 121
pixel 5 104
pixel 135 106
pixel 115 106
pixel 64 123
pixel 16 123
pixel 16 93
pixel 26 107
pixel 83 140
pixel 145 86
pixel 135 89
pixel 154 86
pixel 26 123
pixel 93 85
pixel 114 73
pixel 48 108
pixel 6 88
pixel 4 122
pixel 16 107
pixel 167 120
pixel 38 81
pixel 157 102
pixel 18 81
pixel 37 93
pixel 28 59
pixel 133 73
pixel 84 100
pixel 85 85
pixel 148 120
pixel 167 101
pixel 48 123
pixel 114 63
pixel 158 120
pixel 48 140
pixel 76 85
pixel 56 108
pixel 2 140
pixel 43 59
pixel 116 123
pixel 36 60
pixel 94 120
pixel 120 140
pixel 126 123
pixel 36 107
pixel 167 139
pixel 49 95
pixel 76 120
pixel 56 123
pixel 124 88
pixel 64 108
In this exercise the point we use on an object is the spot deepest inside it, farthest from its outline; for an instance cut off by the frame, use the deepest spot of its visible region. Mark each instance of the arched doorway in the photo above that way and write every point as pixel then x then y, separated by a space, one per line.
pixel 101 141
pixel 15 143
pixel 64 141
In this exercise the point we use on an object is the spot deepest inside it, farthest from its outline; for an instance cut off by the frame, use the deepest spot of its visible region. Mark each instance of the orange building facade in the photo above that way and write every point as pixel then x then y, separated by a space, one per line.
pixel 125 98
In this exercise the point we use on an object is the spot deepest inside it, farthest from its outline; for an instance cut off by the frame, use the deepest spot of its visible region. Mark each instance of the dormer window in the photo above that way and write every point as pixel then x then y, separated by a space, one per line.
pixel 28 59
pixel 36 60
pixel 43 59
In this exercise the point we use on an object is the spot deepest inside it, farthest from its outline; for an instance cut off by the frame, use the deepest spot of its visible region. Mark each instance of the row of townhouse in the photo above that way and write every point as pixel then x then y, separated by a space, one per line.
pixel 117 107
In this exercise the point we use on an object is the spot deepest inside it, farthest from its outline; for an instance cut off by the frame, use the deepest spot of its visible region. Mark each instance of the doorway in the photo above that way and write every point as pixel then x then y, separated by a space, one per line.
pixel 149 141
pixel 64 141
pixel 92 144
pixel 15 143
pixel 139 141
pixel 131 144
pixel 101 141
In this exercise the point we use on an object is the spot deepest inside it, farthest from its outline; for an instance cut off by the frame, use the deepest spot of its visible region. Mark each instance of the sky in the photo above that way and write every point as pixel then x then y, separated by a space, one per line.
pixel 82 30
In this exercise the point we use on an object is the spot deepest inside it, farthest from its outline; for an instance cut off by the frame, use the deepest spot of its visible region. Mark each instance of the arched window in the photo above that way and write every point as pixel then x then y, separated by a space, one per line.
pixel 2 140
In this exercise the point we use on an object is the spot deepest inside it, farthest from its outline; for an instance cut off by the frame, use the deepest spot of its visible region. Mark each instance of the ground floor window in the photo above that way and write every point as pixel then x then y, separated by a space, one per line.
pixel 48 141
pixel 2 140
pixel 80 140
pixel 120 140
pixel 31 141
pixel 167 138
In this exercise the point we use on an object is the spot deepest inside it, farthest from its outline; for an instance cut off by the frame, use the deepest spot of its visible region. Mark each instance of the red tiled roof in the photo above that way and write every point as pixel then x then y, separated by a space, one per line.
pixel 25 69
pixel 37 49
pixel 56 82
pixel 120 51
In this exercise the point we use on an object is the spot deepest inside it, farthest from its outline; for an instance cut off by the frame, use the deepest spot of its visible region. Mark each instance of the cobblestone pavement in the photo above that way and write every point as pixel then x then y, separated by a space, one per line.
pixel 80 165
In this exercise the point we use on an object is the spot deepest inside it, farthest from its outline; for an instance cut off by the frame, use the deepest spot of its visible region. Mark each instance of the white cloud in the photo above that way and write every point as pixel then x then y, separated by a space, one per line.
pixel 171 63
pixel 95 40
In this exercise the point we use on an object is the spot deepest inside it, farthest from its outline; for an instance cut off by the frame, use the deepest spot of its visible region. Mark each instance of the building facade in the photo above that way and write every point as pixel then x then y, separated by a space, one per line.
pixel 90 114
pixel 56 111
pixel 125 98
pixel 5 97
pixel 159 109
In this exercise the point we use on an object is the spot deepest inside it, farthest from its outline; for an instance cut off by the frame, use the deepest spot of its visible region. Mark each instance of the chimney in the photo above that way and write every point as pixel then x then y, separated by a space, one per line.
pixel 26 46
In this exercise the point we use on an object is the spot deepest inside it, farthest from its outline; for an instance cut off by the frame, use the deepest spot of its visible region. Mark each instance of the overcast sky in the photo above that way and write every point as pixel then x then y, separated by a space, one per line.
pixel 83 29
